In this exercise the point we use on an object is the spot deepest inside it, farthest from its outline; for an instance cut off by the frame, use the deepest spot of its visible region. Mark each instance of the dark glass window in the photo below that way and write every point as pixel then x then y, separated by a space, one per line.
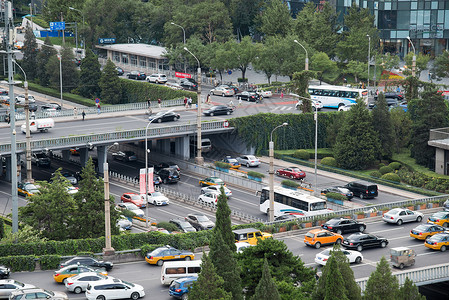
pixel 403 20
pixel 387 19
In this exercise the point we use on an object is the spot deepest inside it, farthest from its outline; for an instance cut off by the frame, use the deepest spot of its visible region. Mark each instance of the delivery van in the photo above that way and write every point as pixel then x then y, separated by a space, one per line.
pixel 41 125
pixel 172 270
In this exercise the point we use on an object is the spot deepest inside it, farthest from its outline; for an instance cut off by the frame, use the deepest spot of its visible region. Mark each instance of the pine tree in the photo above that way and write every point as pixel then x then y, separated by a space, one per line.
pixel 110 84
pixel 225 264
pixel 70 73
pixel 90 75
pixel 266 289
pixel 30 51
pixel 223 221
pixel 382 284
pixel 2 229
pixel 333 287
pixel 382 124
pixel 209 284
pixel 409 291
pixel 43 57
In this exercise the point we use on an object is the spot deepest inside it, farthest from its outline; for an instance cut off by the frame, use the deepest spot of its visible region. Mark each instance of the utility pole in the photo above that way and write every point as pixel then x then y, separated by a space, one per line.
pixel 63 37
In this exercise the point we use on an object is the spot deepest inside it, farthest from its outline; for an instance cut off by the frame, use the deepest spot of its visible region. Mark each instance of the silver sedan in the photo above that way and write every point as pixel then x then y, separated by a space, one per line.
pixel 401 215
pixel 9 285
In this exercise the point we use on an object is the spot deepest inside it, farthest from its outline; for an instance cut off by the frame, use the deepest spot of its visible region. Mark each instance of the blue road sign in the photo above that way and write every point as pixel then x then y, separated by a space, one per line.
pixel 229 72
pixel 106 41
pixel 57 25
pixel 97 100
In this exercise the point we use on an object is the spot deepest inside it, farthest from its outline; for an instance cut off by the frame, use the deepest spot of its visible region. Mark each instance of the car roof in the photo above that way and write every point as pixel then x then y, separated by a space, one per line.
pixel 196 214
pixel 317 230
pixel 245 230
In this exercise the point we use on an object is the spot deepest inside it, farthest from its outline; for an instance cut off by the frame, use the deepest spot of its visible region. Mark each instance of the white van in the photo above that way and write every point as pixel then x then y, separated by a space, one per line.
pixel 206 145
pixel 172 270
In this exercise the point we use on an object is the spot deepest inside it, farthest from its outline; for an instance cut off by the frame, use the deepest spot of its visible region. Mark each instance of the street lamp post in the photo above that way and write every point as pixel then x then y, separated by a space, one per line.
pixel 307 55
pixel 60 69
pixel 271 171
pixel 199 159
pixel 108 250
pixel 369 56
pixel 414 57
pixel 183 31
pixel 84 41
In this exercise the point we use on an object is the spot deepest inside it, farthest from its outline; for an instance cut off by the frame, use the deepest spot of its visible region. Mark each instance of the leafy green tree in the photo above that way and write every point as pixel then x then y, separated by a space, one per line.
pixel 25 234
pixel 242 53
pixel 358 69
pixel 223 221
pixel 276 19
pixel 322 64
pixel 53 10
pixel 301 86
pixel 357 142
pixel 382 284
pixel 333 287
pixel 266 289
pixel 43 57
pixel 427 112
pixel 209 284
pixel 263 61
pixel 401 126
pixel 89 216
pixel 110 84
pixel 219 58
pixel 441 65
pixel 286 268
pixel 50 211
pixel 383 126
pixel 387 61
pixel 225 264
pixel 30 51
pixel 70 74
pixel 291 56
pixel 243 15
pixel 90 75
pixel 409 291
pixel 421 63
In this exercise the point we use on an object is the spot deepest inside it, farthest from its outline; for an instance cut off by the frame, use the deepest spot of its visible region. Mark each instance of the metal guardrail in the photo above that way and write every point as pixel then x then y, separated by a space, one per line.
pixel 110 137
pixel 421 276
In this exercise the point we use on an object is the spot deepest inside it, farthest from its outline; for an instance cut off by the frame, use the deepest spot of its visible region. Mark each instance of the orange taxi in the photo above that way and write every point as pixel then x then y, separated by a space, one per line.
pixel 440 218
pixel 424 231
pixel 318 237
pixel 161 254
pixel 439 241
pixel 61 275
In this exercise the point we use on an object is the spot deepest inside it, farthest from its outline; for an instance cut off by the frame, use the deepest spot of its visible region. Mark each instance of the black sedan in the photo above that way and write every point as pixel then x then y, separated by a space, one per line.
pixel 87 261
pixel 218 110
pixel 136 75
pixel 164 117
pixel 164 165
pixel 360 241
pixel 51 106
pixel 189 84
pixel 124 155
pixel 248 96
pixel 343 225
pixel 339 190
pixel 120 71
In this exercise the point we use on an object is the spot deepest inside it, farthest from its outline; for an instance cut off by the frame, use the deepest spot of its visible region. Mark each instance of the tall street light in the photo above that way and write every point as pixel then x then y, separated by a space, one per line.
pixel 147 152
pixel 107 250
pixel 84 41
pixel 414 57
pixel 271 171
pixel 307 56
pixel 60 68
pixel 369 55
pixel 27 124
pixel 183 31
pixel 199 159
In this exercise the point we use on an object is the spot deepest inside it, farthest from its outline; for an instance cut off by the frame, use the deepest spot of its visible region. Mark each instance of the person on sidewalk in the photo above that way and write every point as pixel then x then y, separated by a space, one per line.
pixel 98 108
pixel 83 114
pixel 159 102
pixel 189 102
pixel 75 113
pixel 185 102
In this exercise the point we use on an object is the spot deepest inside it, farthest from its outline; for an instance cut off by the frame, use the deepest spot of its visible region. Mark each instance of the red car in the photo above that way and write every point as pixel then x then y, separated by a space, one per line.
pixel 291 172
pixel 133 198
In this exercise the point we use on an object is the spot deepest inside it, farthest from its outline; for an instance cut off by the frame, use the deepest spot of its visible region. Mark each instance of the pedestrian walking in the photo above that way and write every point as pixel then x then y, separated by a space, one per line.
pixel 231 104
pixel 75 113
pixel 398 89
pixel 149 110
pixel 185 102
pixel 240 102
pixel 149 102
pixel 189 102
pixel 33 115
pixel 83 114
pixel 282 94
pixel 159 103
pixel 208 99
pixel 98 108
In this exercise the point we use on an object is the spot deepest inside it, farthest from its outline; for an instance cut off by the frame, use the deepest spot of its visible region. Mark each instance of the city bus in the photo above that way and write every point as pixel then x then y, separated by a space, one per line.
pixel 287 201
pixel 332 96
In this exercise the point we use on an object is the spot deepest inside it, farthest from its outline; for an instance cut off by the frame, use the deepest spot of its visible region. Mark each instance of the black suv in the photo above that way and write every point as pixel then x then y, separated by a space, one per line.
pixel 40 159
pixel 343 225
pixel 392 95
pixel 362 189
pixel 136 75
pixel 169 175
pixel 189 83
pixel 88 261
pixel 360 241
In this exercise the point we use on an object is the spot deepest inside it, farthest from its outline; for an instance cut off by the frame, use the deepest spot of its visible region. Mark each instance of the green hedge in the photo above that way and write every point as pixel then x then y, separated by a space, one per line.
pixel 50 262
pixel 255 174
pixel 66 96
pixel 19 262
pixel 376 174
pixel 290 183
pixel 329 161
pixel 222 165
pixel 385 169
pixel 395 165
pixel 336 196
pixel 301 154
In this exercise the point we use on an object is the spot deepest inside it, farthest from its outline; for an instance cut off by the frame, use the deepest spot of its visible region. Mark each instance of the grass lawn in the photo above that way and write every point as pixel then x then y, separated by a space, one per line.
pixel 70 41
pixel 404 157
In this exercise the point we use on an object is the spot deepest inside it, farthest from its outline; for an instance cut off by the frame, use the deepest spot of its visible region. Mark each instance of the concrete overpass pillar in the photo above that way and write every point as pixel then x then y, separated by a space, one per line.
pixel 8 168
pixel 440 163
pixel 101 152
pixel 182 147
pixel 65 155
pixel 84 156
pixel 163 146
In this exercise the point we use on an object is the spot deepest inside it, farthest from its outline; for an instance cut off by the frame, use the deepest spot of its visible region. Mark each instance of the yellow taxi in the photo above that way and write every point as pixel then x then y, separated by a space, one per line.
pixel 440 218
pixel 439 241
pixel 61 275
pixel 250 235
pixel 318 237
pixel 212 181
pixel 27 189
pixel 424 231
pixel 161 254
pixel 232 162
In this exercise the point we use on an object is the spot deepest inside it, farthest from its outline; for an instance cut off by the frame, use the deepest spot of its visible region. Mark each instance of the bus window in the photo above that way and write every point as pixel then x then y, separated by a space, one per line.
pixel 354 95
pixel 318 206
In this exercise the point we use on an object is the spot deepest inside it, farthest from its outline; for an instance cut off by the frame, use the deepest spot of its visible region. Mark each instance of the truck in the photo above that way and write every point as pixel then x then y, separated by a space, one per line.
pixel 41 125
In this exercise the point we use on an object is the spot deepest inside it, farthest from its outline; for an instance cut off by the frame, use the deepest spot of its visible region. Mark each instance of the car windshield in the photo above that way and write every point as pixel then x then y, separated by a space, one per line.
pixel 131 206
pixel 440 215
pixel 128 283
pixel 49 292
pixel 232 160
pixel 296 170
pixel 421 228
pixel 395 211
pixel 129 153
pixel 135 197
pixel 326 252
pixel 41 155
pixel 251 157
pixel 333 221
pixel 157 194
pixel 19 283
pixel 217 181
pixel 215 107
pixel 202 218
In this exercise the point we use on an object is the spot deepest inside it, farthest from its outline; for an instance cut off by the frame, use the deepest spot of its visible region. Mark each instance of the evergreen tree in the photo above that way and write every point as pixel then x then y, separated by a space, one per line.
pixel 382 284
pixel 276 19
pixel 110 84
pixel 209 284
pixel 225 264
pixel 223 221
pixel 382 124
pixel 333 287
pixel 30 51
pixel 357 142
pixel 90 75
pixel 70 73
pixel 266 289
pixel 43 57
pixel 409 291
pixel 401 124
pixel 2 229
pixel 89 215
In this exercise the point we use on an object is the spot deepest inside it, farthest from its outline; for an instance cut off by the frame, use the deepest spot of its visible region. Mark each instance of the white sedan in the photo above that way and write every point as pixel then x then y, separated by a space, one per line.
pixel 79 283
pixel 265 94
pixel 157 198
pixel 353 256
pixel 248 161
pixel 401 215
pixel 223 91
pixel 216 189
pixel 21 99
pixel 209 198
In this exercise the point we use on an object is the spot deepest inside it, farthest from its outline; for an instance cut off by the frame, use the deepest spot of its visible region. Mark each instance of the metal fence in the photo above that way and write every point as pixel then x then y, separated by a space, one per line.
pixel 421 276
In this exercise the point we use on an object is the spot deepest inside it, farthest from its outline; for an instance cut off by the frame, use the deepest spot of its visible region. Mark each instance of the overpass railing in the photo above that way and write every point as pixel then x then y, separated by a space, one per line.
pixel 111 137
pixel 420 276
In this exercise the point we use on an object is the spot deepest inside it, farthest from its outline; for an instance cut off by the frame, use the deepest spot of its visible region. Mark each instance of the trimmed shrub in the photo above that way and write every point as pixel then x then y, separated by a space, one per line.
pixel 222 165
pixel 255 174
pixel 169 226
pixel 391 177
pixel 395 165
pixel 301 154
pixel 376 174
pixel 385 169
pixel 290 183
pixel 381 165
pixel 19 263
pixel 49 262
pixel 336 196
pixel 329 161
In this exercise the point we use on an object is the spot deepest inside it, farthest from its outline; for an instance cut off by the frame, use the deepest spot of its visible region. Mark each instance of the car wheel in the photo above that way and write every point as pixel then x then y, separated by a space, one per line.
pixel 77 290
pixel 318 245
pixel 211 114
pixel 228 112
pixel 159 120
pixel 247 165
pixel 338 241
pixel 419 219
pixel 339 231
pixel 238 98
pixel 174 118
pixel 188 258
pixel 401 266
pixel 359 248
pixel 101 297
pixel 223 95
pixel 165 181
pixel 160 262
pixel 64 280
pixel 443 248
pixel 135 296
pixel 362 228
pixel 445 224
pixel 383 245
pixel 185 296
pixel 358 260
pixel 399 222
pixel 361 196
pixel 292 177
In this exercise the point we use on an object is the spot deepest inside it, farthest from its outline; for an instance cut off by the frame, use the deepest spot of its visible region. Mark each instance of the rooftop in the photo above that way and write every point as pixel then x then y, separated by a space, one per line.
pixel 137 49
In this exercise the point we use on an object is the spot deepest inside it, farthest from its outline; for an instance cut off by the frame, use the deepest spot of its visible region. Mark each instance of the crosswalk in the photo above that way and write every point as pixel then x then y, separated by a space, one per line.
pixel 283 107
